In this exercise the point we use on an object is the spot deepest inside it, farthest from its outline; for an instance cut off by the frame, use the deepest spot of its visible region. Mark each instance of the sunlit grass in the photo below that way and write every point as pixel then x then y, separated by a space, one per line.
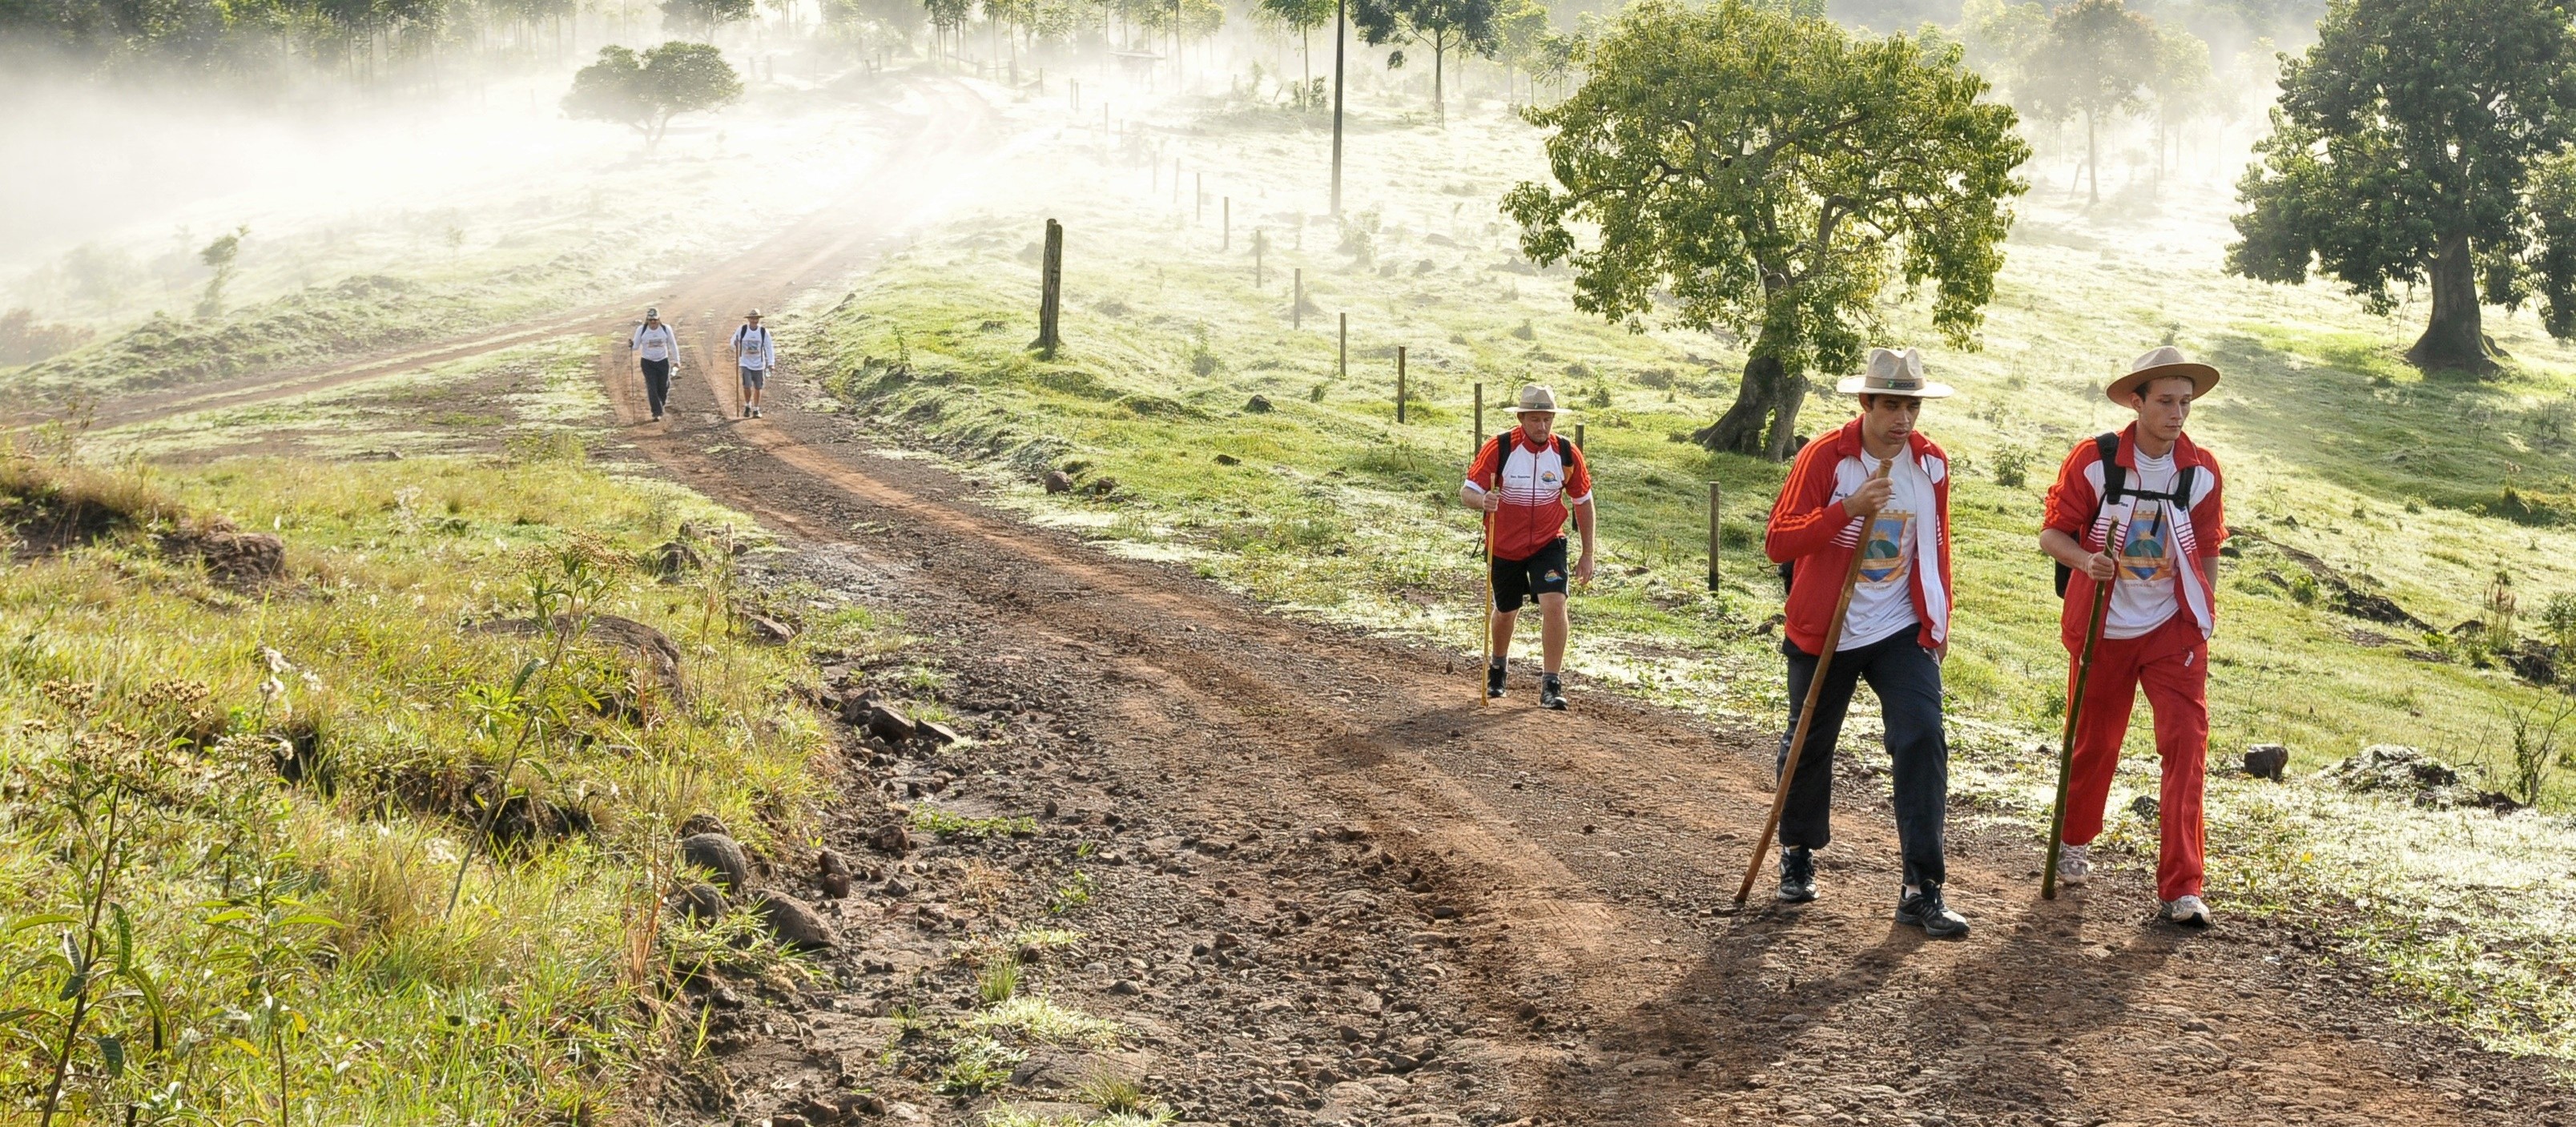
pixel 522 998
pixel 1324 504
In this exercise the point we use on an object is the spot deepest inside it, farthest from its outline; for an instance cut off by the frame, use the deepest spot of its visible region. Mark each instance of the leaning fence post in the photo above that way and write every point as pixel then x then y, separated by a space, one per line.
pixel 1715 539
pixel 1051 289
pixel 1399 383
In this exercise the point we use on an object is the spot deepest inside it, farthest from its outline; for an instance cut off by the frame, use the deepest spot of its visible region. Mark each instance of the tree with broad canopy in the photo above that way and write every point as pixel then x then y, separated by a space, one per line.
pixel 1769 176
pixel 2423 140
pixel 646 91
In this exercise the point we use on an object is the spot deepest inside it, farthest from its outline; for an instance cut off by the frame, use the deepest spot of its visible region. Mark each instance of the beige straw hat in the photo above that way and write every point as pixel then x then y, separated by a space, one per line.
pixel 1536 397
pixel 2157 364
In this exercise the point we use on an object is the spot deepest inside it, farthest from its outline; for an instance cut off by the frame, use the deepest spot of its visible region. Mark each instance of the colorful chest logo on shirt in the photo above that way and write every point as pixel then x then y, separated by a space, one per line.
pixel 1882 553
pixel 2146 545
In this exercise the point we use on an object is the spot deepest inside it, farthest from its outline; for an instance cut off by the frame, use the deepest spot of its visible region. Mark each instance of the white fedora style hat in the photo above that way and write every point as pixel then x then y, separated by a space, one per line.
pixel 1894 373
pixel 1536 397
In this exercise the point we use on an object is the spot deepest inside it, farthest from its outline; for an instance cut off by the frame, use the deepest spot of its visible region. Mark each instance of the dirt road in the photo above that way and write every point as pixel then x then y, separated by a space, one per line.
pixel 1440 912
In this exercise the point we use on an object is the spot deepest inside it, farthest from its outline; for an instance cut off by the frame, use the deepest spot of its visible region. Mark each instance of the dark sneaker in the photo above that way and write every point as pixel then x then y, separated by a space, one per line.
pixel 1797 876
pixel 1925 910
pixel 1493 681
pixel 1551 693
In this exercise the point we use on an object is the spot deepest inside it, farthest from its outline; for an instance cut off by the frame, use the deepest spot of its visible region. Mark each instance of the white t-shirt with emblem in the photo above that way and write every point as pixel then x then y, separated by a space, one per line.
pixel 2144 596
pixel 1883 597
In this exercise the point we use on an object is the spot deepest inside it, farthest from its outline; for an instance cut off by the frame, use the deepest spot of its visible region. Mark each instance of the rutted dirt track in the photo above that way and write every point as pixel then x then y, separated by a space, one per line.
pixel 1534 891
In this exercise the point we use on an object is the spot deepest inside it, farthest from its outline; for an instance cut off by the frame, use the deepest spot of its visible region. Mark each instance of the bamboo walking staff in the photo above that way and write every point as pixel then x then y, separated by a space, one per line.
pixel 1815 690
pixel 2066 748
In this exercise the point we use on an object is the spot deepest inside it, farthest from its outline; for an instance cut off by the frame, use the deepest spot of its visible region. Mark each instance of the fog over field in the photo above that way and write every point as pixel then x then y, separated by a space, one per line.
pixel 1044 689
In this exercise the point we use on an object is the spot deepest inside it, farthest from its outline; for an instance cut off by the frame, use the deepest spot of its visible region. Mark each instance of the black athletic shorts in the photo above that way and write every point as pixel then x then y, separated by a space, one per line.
pixel 1522 581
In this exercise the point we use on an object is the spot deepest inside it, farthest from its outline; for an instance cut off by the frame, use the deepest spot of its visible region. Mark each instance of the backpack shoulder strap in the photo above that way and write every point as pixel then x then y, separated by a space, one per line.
pixel 2115 477
pixel 1564 449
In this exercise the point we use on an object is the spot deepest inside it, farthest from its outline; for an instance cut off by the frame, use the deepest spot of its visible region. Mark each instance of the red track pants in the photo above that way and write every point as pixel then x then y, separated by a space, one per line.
pixel 2172 664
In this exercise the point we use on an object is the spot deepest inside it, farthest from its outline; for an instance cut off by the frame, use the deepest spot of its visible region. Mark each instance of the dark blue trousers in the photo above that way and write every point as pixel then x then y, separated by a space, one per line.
pixel 1908 683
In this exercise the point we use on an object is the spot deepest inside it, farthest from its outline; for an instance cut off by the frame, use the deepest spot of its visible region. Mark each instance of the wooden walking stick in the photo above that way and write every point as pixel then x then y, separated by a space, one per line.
pixel 1815 690
pixel 2066 747
pixel 1484 698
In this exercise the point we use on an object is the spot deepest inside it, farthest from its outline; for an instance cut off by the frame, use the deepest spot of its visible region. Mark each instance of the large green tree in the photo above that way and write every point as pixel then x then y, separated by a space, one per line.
pixel 2403 152
pixel 1447 25
pixel 2096 59
pixel 1769 176
pixel 1305 16
pixel 646 91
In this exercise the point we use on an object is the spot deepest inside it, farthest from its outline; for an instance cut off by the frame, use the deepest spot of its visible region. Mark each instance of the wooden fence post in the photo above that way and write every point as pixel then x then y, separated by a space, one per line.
pixel 1198 202
pixel 1342 353
pixel 1578 436
pixel 1225 224
pixel 1260 242
pixel 1297 302
pixel 1713 535
pixel 1476 438
pixel 1399 383
pixel 1051 290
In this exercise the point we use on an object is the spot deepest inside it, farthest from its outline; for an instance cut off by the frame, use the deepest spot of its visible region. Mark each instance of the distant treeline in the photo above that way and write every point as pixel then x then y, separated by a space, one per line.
pixel 256 37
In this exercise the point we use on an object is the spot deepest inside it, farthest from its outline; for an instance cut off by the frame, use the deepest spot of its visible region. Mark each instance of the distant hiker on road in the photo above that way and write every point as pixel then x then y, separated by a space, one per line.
pixel 1895 634
pixel 658 347
pixel 2142 506
pixel 753 356
pixel 1526 480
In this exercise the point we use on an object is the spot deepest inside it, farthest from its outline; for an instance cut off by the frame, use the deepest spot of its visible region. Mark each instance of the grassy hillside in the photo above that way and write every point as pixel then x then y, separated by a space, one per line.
pixel 1203 423
pixel 324 838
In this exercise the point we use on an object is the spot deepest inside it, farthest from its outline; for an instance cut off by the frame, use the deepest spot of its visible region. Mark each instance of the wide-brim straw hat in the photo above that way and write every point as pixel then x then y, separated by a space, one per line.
pixel 2157 364
pixel 1894 373
pixel 751 316
pixel 1538 398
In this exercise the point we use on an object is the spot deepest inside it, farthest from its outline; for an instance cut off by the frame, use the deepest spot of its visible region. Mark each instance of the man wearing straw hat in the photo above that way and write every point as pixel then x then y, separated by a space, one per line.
pixel 1526 481
pixel 1895 632
pixel 2141 510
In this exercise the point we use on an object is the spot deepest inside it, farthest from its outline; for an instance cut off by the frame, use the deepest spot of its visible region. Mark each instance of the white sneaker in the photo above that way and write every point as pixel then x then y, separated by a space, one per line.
pixel 2188 911
pixel 2074 864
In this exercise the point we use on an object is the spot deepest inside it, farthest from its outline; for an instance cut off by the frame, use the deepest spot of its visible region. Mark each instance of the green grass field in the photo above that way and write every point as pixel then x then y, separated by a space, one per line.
pixel 297 944
pixel 1209 427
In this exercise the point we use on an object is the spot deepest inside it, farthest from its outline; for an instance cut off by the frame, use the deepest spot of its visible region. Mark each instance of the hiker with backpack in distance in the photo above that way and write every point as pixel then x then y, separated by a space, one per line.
pixel 1879 488
pixel 2140 510
pixel 658 349
pixel 1526 481
pixel 754 355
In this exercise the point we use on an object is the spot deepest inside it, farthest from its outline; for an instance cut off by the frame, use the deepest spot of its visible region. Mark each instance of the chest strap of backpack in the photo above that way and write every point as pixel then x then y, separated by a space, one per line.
pixel 2115 484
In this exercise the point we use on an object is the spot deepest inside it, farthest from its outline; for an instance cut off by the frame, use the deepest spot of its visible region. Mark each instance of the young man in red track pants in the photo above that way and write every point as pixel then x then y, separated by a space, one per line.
pixel 2141 510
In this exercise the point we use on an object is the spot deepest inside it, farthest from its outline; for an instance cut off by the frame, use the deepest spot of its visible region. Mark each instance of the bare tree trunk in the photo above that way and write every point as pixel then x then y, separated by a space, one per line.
pixel 1763 422
pixel 1439 105
pixel 2092 159
pixel 2454 340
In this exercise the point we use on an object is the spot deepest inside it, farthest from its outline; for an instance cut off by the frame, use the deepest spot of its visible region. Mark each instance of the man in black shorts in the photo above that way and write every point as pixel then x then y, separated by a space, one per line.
pixel 1526 481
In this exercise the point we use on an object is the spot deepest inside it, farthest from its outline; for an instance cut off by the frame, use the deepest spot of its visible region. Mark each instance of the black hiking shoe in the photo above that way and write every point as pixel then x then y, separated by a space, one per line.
pixel 1925 910
pixel 1493 682
pixel 1551 693
pixel 1797 875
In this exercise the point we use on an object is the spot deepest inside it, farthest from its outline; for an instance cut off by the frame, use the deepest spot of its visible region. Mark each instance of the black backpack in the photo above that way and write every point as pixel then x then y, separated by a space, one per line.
pixel 2115 482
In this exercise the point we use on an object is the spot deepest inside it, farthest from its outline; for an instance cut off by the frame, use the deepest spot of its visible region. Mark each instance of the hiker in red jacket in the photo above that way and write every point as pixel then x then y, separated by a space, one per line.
pixel 1895 634
pixel 1526 481
pixel 2142 506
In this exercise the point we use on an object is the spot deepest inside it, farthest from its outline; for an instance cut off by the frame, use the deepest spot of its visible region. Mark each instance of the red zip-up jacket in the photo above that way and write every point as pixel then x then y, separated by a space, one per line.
pixel 2075 508
pixel 1809 526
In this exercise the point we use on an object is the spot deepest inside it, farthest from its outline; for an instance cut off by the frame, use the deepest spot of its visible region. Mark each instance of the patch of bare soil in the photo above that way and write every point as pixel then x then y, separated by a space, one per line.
pixel 1325 886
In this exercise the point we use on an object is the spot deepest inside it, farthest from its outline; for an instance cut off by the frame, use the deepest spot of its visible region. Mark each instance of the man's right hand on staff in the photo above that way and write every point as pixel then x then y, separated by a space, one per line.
pixel 1493 500
pixel 2101 567
pixel 1871 497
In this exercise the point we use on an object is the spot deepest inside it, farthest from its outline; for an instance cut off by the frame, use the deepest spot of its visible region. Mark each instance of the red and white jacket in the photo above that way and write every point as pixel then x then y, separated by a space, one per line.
pixel 1809 527
pixel 2075 508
